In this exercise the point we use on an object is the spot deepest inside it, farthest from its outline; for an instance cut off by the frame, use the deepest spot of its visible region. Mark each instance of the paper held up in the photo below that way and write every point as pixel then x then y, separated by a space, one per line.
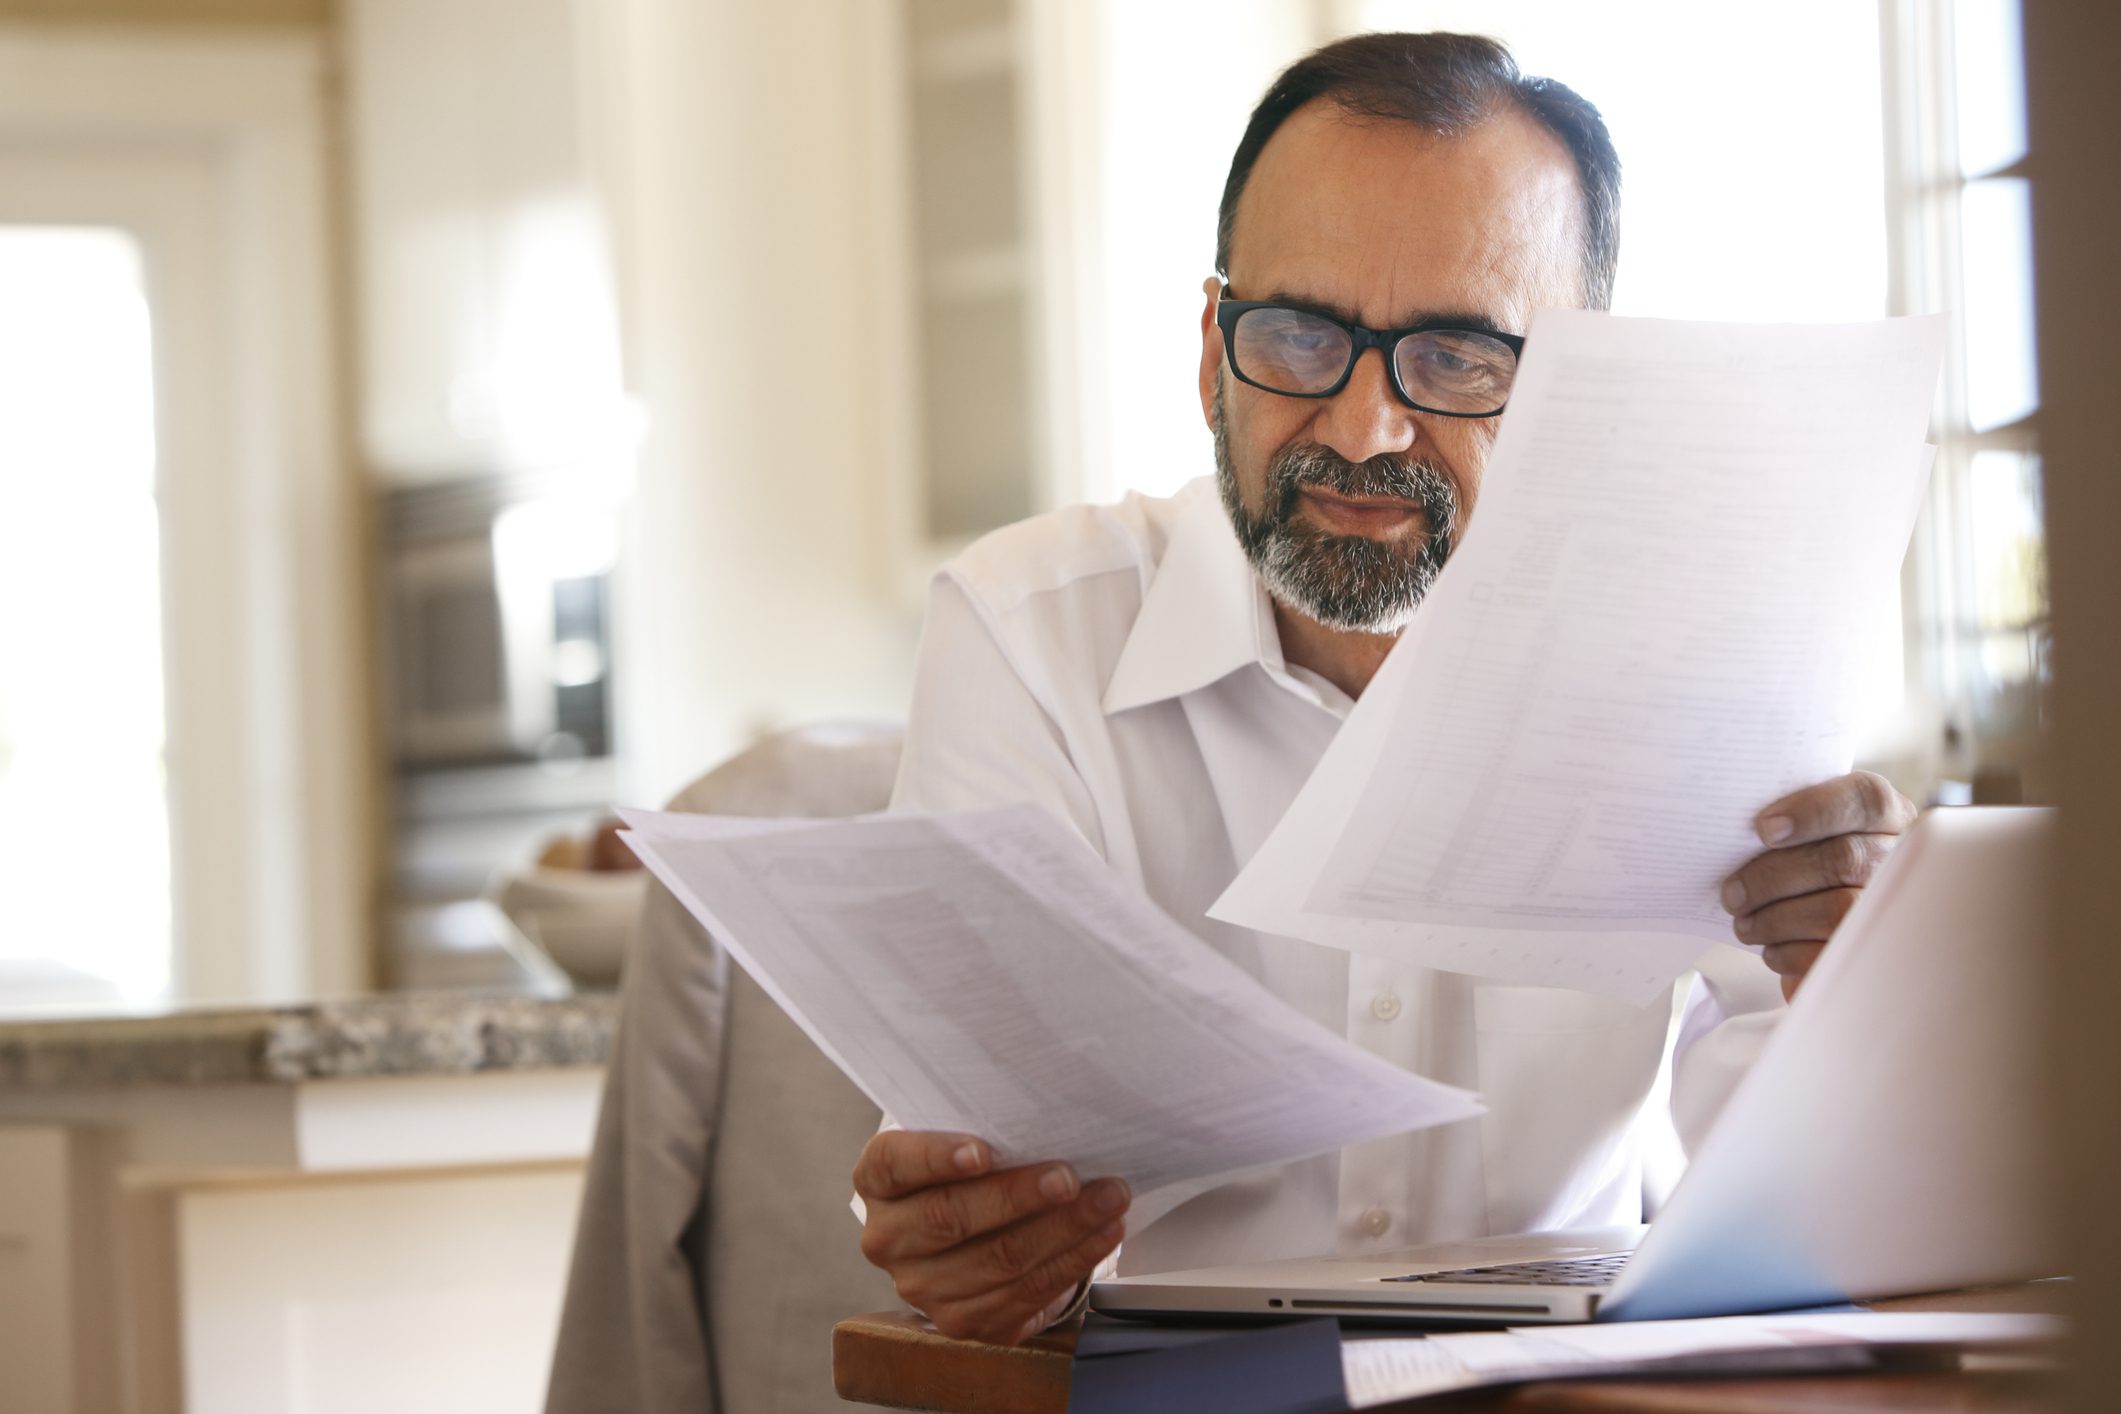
pixel 986 973
pixel 1652 630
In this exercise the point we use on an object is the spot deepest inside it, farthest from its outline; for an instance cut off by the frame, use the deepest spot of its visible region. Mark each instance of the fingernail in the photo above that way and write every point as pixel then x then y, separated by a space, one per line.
pixel 1733 896
pixel 1776 828
pixel 967 1158
pixel 1109 1196
pixel 1031 1328
pixel 1057 1184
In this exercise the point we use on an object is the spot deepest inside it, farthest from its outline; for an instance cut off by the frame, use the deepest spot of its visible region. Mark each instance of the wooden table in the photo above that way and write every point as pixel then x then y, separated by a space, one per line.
pixel 894 1358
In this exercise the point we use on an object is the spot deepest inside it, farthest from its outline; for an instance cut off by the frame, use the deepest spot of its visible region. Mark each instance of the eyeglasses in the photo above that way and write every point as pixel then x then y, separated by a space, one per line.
pixel 1301 353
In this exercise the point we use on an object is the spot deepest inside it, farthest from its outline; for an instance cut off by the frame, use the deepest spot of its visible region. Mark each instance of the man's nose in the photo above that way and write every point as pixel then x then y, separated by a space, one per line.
pixel 1366 419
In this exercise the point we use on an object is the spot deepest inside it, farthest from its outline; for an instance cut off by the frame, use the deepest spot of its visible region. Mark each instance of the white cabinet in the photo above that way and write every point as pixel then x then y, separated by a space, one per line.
pixel 483 286
pixel 38 1289
pixel 265 1248
pixel 416 1291
pixel 977 142
pixel 972 276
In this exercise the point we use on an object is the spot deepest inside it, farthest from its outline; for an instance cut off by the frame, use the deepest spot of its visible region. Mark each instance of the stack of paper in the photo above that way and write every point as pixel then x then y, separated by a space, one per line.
pixel 1305 1367
pixel 1650 632
pixel 986 973
pixel 1387 1369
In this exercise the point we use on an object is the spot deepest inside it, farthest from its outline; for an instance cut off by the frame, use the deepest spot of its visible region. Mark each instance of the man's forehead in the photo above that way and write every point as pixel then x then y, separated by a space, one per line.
pixel 1381 221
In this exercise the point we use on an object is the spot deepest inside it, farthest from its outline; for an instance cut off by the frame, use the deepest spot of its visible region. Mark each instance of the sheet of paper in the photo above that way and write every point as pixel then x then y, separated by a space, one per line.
pixel 1380 1370
pixel 1651 631
pixel 987 973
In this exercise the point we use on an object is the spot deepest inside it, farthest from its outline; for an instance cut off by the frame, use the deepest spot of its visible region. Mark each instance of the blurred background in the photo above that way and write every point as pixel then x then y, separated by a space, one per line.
pixel 426 425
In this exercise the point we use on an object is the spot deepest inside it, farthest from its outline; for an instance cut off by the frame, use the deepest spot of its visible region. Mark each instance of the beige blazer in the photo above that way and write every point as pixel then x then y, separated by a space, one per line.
pixel 714 1250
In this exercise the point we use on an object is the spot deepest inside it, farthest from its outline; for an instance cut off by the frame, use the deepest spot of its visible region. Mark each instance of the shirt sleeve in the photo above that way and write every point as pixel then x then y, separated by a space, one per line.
pixel 977 735
pixel 1732 1009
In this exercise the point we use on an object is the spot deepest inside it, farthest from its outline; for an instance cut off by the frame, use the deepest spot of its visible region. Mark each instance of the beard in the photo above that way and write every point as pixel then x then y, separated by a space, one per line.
pixel 1347 582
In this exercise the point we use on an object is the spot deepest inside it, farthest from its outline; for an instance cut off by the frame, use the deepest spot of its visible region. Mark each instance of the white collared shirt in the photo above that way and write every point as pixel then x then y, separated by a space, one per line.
pixel 1120 665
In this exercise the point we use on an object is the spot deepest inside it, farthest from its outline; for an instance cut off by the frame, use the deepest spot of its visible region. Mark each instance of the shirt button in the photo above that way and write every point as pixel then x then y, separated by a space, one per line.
pixel 1375 1222
pixel 1384 1006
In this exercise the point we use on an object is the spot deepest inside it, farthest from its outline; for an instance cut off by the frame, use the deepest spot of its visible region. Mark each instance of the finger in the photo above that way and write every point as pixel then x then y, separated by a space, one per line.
pixel 1790 961
pixel 1015 1314
pixel 897 1162
pixel 1842 861
pixel 1005 1258
pixel 1810 919
pixel 947 1215
pixel 1861 802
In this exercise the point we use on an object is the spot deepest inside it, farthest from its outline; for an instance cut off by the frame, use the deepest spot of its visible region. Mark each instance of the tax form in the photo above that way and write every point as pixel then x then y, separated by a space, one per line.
pixel 1650 632
pixel 986 973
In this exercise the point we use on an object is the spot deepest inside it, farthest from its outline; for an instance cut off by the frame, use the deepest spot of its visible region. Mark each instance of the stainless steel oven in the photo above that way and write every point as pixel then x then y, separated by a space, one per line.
pixel 499 621
pixel 498 629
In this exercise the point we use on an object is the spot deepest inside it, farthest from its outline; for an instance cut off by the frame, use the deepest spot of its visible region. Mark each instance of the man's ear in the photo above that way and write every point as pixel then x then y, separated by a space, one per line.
pixel 1211 349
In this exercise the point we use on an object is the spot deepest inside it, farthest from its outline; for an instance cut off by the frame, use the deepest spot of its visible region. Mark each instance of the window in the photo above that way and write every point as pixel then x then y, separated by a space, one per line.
pixel 1961 230
pixel 83 810
pixel 184 815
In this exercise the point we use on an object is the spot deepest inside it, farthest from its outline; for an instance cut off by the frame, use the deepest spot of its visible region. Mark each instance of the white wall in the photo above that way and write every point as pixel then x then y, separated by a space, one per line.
pixel 1178 83
pixel 757 592
pixel 766 583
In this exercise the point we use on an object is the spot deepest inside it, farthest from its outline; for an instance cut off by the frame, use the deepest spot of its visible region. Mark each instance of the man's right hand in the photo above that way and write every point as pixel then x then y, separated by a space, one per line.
pixel 986 1255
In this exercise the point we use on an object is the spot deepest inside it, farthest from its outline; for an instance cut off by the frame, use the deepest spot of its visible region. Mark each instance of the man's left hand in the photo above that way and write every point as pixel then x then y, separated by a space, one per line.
pixel 1824 844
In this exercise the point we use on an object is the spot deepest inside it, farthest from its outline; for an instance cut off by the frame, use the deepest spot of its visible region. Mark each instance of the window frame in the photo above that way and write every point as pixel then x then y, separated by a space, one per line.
pixel 1985 727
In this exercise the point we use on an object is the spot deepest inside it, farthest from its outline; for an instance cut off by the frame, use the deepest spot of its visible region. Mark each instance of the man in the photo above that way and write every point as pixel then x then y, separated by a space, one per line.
pixel 1165 673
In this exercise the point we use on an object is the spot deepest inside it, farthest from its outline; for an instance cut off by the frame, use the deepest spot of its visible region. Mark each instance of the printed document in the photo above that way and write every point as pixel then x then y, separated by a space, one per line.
pixel 987 973
pixel 1384 1370
pixel 1652 629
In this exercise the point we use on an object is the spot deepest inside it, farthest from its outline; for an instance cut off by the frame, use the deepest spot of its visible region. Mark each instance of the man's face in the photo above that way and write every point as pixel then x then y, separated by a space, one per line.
pixel 1349 504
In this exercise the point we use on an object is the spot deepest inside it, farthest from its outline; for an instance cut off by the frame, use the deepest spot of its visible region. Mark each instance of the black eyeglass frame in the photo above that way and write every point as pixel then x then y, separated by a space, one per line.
pixel 1385 341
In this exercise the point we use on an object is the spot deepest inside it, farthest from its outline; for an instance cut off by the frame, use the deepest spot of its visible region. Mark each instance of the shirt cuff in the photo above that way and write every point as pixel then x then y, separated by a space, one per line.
pixel 1077 1302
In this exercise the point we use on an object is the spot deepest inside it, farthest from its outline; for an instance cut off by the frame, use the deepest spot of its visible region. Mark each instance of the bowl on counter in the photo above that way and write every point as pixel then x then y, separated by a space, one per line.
pixel 580 918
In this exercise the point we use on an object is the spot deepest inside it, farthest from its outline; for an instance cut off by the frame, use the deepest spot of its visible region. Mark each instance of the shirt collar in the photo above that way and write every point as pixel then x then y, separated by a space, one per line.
pixel 1204 616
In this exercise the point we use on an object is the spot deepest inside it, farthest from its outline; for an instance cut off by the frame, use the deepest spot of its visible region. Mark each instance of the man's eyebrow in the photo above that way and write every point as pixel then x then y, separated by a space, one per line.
pixel 1443 318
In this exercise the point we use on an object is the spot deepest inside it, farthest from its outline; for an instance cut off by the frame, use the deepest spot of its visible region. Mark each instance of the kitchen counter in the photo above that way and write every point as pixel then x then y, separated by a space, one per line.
pixel 173 1184
pixel 408 1034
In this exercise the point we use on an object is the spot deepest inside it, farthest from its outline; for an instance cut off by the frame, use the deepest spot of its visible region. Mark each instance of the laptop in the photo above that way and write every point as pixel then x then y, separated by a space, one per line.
pixel 1884 1143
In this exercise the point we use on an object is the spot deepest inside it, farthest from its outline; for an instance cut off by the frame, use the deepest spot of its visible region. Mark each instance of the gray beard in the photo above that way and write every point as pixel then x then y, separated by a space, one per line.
pixel 1346 582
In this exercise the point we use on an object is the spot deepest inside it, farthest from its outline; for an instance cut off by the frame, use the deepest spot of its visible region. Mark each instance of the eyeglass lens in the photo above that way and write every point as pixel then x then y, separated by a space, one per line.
pixel 1446 370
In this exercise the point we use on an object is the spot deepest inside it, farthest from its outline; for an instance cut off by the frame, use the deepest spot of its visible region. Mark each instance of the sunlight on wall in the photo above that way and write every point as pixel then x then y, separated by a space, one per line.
pixel 552 391
pixel 82 809
pixel 1168 126
pixel 1750 141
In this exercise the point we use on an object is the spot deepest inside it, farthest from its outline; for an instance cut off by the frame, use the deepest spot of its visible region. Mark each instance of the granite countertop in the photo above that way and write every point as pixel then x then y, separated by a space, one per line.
pixel 415 1033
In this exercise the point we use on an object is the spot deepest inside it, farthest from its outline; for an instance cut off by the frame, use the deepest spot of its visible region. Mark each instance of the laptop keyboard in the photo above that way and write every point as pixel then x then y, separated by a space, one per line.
pixel 1569 1271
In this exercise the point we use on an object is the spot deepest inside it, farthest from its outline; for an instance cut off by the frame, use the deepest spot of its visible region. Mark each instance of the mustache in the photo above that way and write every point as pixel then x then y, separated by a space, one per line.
pixel 1415 479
